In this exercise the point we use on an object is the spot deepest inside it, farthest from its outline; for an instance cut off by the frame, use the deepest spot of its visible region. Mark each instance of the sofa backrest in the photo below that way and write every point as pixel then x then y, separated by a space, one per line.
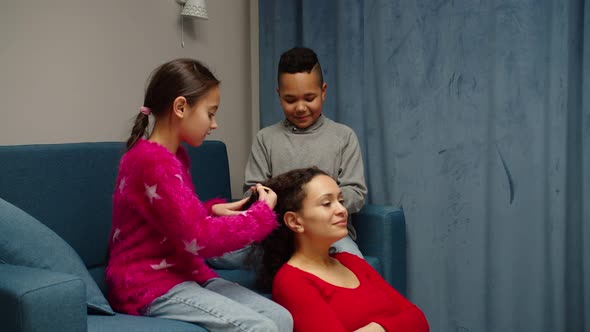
pixel 69 187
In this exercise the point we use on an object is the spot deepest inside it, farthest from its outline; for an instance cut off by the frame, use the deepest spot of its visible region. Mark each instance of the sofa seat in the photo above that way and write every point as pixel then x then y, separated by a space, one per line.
pixel 62 193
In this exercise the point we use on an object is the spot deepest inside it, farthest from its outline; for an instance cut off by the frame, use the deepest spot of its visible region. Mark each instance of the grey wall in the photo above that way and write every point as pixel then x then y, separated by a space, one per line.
pixel 75 70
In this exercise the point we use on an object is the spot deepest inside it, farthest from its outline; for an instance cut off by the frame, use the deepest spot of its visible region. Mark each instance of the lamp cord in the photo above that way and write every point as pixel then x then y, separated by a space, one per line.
pixel 182 31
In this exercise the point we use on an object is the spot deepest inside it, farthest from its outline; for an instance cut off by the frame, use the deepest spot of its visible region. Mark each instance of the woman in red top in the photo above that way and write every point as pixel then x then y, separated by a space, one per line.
pixel 325 291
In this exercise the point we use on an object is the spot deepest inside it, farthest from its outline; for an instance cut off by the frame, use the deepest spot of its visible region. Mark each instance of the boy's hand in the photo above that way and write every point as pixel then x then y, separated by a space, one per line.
pixel 229 209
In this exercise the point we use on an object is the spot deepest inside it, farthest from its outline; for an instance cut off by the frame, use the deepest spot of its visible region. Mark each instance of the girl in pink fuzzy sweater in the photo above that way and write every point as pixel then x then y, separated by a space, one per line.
pixel 162 232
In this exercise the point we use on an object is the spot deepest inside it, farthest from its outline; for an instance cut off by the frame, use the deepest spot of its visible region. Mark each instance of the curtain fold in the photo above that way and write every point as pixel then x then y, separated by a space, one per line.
pixel 474 117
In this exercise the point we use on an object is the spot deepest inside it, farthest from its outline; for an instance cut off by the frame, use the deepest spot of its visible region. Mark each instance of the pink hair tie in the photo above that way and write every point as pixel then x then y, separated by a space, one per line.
pixel 145 110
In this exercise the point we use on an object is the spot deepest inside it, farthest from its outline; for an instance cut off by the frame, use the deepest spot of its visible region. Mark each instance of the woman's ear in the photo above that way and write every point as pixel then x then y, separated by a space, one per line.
pixel 179 105
pixel 291 220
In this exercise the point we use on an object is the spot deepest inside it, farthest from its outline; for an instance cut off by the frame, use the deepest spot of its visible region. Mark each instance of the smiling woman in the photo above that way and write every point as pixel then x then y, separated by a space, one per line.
pixel 323 291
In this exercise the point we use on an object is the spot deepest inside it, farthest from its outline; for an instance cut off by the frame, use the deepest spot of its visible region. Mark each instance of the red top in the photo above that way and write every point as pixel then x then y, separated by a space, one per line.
pixel 320 306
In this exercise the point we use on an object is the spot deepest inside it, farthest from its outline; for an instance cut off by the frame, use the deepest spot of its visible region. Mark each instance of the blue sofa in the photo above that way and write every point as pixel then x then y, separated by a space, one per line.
pixel 55 215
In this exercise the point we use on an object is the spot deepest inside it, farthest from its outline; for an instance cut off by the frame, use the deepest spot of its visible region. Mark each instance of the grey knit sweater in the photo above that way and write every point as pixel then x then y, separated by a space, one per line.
pixel 331 146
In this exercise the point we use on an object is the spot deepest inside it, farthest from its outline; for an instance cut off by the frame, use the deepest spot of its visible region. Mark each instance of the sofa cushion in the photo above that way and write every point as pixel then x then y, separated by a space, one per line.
pixel 27 242
pixel 67 187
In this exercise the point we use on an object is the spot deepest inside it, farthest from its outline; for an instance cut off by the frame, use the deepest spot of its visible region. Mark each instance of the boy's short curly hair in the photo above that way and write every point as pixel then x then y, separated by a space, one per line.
pixel 299 60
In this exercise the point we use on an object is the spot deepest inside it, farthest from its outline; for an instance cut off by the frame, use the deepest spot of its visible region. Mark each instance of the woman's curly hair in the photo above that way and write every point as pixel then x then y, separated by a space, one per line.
pixel 279 246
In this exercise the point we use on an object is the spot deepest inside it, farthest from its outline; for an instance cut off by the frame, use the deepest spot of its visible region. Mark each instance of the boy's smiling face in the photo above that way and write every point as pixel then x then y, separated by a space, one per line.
pixel 302 97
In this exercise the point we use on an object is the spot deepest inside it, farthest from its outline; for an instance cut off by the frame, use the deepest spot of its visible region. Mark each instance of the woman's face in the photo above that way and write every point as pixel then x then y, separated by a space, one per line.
pixel 323 214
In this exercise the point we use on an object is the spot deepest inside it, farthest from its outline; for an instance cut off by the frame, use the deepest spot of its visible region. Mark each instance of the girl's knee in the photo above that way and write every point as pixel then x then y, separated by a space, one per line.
pixel 279 321
pixel 263 323
pixel 283 320
pixel 286 325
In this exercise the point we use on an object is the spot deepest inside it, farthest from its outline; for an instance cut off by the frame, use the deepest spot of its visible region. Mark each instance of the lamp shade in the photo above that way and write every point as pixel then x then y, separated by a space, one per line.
pixel 195 8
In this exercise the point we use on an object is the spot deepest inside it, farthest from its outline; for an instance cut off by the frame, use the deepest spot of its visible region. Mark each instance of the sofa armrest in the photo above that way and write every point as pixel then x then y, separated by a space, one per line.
pixel 381 232
pixel 36 300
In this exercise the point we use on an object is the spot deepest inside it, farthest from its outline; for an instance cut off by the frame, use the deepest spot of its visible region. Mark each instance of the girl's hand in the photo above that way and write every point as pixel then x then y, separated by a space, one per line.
pixel 266 195
pixel 371 327
pixel 228 209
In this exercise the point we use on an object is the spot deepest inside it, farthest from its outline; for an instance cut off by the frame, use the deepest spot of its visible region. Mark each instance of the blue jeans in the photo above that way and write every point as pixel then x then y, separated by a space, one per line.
pixel 220 305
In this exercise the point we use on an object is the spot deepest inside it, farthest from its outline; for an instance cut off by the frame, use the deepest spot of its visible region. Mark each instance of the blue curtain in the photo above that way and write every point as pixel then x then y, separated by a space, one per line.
pixel 474 116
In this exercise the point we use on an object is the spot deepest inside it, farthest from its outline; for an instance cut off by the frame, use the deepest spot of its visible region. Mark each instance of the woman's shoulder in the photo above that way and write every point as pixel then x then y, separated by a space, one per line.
pixel 351 261
pixel 290 279
pixel 286 272
pixel 289 274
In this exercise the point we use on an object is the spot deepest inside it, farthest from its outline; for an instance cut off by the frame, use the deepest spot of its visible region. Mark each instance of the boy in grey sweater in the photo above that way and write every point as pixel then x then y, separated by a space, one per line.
pixel 307 138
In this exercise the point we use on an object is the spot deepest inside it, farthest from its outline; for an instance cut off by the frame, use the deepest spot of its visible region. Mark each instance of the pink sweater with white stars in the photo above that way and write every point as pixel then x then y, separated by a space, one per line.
pixel 162 232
